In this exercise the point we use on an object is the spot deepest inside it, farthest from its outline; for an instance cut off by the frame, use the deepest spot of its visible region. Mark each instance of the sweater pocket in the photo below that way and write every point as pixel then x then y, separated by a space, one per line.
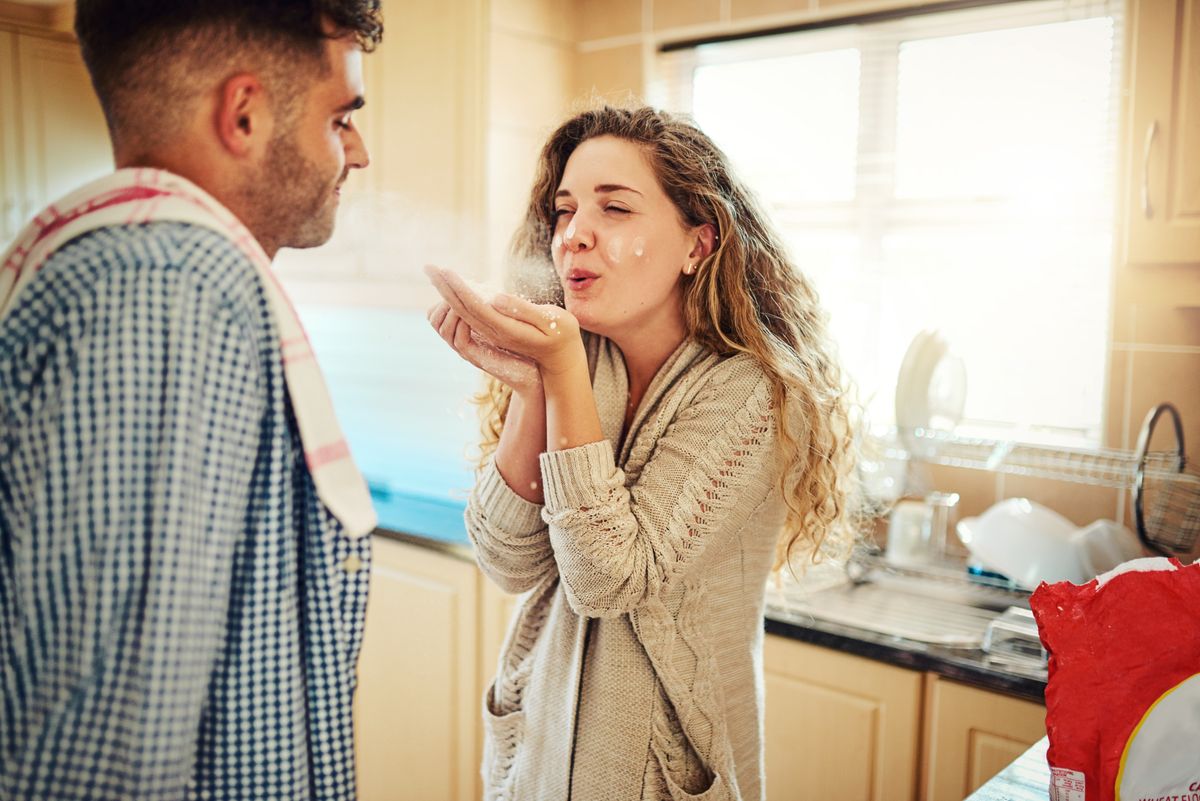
pixel 675 770
pixel 680 783
pixel 503 733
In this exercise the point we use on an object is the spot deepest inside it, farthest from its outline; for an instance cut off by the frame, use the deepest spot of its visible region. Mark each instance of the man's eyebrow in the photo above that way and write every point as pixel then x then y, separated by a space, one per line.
pixel 355 104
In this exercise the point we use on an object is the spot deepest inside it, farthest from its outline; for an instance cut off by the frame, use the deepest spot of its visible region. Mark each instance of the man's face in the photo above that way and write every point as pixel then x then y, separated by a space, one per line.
pixel 308 159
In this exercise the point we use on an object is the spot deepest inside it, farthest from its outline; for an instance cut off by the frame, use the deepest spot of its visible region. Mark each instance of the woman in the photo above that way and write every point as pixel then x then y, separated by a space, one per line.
pixel 650 434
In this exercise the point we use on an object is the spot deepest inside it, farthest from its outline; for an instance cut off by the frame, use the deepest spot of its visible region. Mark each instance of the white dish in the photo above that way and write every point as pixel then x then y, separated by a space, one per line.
pixel 1105 544
pixel 930 391
pixel 1025 541
pixel 909 381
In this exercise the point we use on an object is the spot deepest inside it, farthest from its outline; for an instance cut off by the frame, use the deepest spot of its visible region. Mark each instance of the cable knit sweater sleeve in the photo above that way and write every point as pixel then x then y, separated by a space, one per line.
pixel 617 546
pixel 512 545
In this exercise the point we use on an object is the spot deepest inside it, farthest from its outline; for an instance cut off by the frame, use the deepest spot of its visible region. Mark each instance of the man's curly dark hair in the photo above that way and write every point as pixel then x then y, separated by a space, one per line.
pixel 144 56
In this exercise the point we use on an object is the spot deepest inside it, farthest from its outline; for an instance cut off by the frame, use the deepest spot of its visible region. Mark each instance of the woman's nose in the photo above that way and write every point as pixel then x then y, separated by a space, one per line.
pixel 578 235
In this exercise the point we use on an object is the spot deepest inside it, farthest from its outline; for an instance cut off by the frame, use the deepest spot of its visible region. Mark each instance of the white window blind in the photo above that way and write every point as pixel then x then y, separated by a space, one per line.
pixel 949 170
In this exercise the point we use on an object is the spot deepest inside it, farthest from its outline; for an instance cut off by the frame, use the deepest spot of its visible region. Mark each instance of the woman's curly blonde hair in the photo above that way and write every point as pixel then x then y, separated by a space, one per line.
pixel 746 297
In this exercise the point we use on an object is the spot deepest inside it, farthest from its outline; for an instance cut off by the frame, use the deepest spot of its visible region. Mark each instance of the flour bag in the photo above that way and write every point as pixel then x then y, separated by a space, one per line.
pixel 1123 695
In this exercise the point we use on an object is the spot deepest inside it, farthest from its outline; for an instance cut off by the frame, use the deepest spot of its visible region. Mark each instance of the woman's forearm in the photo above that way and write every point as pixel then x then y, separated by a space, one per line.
pixel 521 441
pixel 571 416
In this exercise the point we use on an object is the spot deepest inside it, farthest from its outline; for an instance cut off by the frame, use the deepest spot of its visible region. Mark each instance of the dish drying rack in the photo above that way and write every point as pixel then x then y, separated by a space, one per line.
pixel 1101 467
pixel 868 561
pixel 1165 488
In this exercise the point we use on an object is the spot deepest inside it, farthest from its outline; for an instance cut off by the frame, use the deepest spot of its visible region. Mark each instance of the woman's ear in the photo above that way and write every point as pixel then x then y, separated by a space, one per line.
pixel 704 242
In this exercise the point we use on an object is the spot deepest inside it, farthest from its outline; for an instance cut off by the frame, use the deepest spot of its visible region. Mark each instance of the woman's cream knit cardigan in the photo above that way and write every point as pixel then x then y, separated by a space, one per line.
pixel 633 667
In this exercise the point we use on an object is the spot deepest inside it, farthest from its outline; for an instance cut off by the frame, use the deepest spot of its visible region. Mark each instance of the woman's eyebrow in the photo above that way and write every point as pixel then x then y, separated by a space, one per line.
pixel 603 189
pixel 600 189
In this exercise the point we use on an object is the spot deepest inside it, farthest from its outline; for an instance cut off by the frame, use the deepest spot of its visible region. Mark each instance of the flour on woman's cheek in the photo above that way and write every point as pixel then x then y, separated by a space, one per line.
pixel 615 249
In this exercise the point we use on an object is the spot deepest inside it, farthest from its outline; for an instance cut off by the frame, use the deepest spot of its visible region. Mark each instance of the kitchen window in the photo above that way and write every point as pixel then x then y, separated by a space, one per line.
pixel 951 170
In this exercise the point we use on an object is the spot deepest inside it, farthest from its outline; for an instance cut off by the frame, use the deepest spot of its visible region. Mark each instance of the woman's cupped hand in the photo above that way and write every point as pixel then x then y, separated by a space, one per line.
pixel 506 336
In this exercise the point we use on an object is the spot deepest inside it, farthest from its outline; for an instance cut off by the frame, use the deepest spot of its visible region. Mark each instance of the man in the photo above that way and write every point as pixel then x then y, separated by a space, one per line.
pixel 182 549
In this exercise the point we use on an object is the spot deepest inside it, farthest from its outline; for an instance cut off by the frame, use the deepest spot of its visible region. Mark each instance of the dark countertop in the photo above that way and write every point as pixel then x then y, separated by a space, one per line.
pixel 966 665
pixel 1026 779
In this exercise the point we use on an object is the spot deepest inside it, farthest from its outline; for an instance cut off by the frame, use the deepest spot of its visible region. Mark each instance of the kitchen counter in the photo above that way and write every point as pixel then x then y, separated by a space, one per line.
pixel 1026 779
pixel 967 665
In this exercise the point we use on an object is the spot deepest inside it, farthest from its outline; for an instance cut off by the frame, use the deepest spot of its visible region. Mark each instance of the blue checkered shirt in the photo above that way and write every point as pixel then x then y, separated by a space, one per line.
pixel 179 614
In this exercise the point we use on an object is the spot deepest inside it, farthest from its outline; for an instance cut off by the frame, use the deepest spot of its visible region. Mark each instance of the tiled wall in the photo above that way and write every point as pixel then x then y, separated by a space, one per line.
pixel 1154 344
pixel 531 73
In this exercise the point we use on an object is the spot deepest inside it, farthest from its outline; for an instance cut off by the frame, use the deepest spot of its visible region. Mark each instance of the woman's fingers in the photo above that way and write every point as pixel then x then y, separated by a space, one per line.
pixel 448 326
pixel 480 312
pixel 462 336
pixel 461 299
pixel 508 367
pixel 519 308
pixel 436 313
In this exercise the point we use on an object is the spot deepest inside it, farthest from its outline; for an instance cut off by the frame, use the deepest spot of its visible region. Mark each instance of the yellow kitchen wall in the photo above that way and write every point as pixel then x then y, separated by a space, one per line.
pixel 530 83
pixel 422 199
pixel 463 93
pixel 60 18
pixel 1154 339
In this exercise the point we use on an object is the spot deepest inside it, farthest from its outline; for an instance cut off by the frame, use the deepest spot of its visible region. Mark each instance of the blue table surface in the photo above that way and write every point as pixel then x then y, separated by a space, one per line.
pixel 403 400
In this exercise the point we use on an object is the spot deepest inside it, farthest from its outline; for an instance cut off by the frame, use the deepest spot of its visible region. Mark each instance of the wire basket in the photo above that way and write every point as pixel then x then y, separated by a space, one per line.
pixel 1166 503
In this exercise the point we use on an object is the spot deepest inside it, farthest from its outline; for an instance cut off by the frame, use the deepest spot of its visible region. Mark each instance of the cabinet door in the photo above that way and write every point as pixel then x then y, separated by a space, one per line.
pixel 839 726
pixel 496 610
pixel 1162 136
pixel 418 706
pixel 10 199
pixel 971 735
pixel 65 140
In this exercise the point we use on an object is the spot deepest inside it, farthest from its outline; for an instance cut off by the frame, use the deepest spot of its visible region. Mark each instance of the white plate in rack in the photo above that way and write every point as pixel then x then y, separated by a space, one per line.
pixel 931 390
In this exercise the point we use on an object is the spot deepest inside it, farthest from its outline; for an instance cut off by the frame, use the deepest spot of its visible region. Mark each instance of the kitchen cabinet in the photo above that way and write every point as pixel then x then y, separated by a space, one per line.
pixel 971 735
pixel 10 201
pixel 1162 132
pixel 496 609
pixel 839 726
pixel 417 708
pixel 62 127
pixel 52 132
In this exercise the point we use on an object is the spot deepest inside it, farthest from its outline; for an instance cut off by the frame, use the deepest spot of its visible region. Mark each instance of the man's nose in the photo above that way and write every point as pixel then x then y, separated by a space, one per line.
pixel 356 150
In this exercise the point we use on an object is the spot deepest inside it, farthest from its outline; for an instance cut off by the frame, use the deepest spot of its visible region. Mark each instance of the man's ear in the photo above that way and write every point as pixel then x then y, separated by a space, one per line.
pixel 243 116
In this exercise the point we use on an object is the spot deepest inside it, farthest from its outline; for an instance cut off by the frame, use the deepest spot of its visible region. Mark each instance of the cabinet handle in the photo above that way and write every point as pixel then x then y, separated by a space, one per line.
pixel 1151 132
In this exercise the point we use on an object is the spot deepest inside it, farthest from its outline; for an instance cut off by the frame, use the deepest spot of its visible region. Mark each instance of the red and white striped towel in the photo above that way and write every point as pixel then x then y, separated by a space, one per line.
pixel 134 196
